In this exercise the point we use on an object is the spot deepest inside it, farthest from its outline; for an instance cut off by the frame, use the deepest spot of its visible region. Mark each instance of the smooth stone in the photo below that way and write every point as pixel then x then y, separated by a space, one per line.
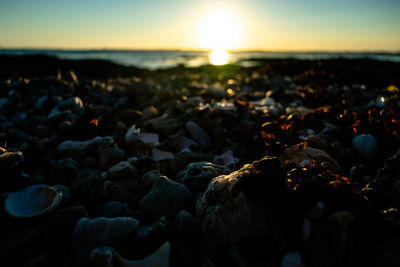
pixel 197 175
pixel 113 209
pixel 32 202
pixel 108 153
pixel 159 155
pixel 149 112
pixel 78 149
pixel 75 104
pixel 122 171
pixel 133 135
pixel 67 170
pixel 366 146
pixel 292 259
pixel 185 225
pixel 150 177
pixel 93 233
pixel 109 257
pixel 198 134
pixel 129 192
pixel 317 142
pixel 164 124
pixel 227 159
pixel 166 198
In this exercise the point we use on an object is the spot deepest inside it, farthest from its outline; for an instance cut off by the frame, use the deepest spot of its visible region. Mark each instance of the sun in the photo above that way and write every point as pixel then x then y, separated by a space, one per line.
pixel 219 57
pixel 219 29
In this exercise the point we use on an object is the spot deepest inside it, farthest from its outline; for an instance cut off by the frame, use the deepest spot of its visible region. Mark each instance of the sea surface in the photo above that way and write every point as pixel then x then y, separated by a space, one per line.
pixel 155 59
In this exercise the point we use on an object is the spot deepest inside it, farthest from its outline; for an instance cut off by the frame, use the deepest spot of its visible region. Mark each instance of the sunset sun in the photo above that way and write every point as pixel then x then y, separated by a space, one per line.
pixel 219 30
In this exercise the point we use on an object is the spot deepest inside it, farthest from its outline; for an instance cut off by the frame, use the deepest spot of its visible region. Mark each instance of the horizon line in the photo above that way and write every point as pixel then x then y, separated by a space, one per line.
pixel 385 51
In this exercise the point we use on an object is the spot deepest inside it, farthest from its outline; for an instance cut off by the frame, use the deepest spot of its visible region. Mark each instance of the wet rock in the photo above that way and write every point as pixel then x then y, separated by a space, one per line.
pixel 150 177
pixel 93 233
pixel 198 134
pixel 366 146
pixel 75 104
pixel 165 198
pixel 197 175
pixel 122 171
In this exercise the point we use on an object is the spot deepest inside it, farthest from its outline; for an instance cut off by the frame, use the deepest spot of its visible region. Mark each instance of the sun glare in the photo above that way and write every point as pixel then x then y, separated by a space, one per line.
pixel 219 29
pixel 219 57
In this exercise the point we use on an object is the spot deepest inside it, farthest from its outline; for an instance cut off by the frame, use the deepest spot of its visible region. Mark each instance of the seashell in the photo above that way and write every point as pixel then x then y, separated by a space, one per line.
pixel 33 201
pixel 109 257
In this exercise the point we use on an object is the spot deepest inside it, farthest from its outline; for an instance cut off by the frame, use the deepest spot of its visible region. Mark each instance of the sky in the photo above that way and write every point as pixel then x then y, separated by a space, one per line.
pixel 282 25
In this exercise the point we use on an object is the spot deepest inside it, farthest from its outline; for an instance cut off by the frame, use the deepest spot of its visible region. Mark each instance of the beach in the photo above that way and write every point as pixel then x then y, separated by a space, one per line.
pixel 281 162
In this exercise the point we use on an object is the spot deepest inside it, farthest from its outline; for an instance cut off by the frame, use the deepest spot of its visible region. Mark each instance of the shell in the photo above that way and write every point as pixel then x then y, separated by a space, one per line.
pixel 109 257
pixel 33 201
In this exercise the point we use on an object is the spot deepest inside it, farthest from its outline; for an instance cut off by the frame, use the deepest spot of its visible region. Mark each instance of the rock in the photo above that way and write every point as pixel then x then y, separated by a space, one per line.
pixel 230 210
pixel 93 233
pixel 106 256
pixel 159 155
pixel 197 175
pixel 66 171
pixel 108 153
pixel 366 146
pixel 75 104
pixel 185 225
pixel 129 192
pixel 122 171
pixel 78 149
pixel 164 124
pixel 198 135
pixel 227 159
pixel 292 259
pixel 51 233
pixel 113 209
pixel 133 135
pixel 33 201
pixel 321 156
pixel 150 177
pixel 184 158
pixel 317 142
pixel 88 186
pixel 165 198
pixel 149 112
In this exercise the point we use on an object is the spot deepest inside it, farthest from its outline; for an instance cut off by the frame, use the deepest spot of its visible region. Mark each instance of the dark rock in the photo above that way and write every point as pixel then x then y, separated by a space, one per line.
pixel 166 198
pixel 197 175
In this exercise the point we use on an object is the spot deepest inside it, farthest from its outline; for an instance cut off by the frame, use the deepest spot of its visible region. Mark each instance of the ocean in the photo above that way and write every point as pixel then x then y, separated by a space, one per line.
pixel 156 59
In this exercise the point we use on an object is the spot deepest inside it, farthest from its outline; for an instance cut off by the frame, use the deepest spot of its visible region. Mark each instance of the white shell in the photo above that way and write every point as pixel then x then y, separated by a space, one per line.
pixel 33 201
pixel 109 257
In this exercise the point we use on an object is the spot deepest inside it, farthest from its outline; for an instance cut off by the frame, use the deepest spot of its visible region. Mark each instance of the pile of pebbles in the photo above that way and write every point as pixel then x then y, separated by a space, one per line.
pixel 210 166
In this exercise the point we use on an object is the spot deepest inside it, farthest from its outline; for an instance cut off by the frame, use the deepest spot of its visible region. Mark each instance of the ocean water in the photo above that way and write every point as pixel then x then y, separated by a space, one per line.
pixel 155 59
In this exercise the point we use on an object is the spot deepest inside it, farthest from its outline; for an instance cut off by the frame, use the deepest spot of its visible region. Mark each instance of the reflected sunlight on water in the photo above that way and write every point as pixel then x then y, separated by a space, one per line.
pixel 219 57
